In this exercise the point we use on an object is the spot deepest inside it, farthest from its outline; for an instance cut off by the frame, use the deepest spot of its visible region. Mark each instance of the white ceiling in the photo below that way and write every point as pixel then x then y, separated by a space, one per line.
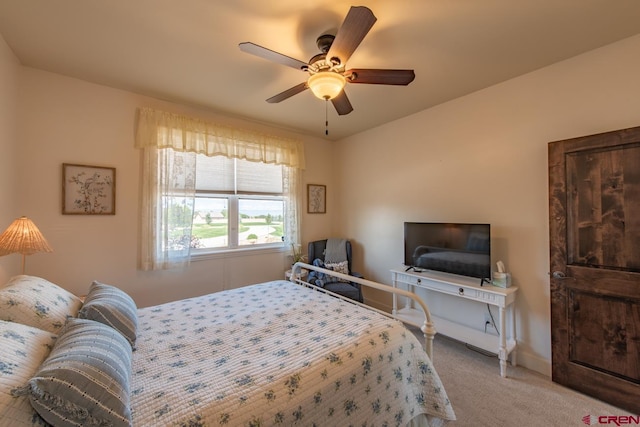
pixel 186 51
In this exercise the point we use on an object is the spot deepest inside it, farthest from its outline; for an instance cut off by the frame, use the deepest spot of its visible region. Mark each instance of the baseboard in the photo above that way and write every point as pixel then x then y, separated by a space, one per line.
pixel 534 362
pixel 378 304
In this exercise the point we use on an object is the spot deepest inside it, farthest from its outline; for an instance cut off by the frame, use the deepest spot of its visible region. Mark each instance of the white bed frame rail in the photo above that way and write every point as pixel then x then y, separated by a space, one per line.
pixel 427 328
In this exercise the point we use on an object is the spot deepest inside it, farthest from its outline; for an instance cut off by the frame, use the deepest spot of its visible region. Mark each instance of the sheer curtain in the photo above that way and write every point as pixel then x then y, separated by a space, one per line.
pixel 167 205
pixel 292 204
pixel 170 143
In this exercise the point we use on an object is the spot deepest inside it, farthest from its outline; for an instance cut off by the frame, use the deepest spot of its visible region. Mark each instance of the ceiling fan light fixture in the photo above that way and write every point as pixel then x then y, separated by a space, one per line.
pixel 326 84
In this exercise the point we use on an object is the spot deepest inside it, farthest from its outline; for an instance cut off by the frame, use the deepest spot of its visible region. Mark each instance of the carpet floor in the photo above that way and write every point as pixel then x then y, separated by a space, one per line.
pixel 481 397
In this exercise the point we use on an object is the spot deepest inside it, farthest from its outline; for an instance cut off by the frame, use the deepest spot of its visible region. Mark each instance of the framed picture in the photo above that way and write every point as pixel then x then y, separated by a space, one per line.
pixel 88 190
pixel 316 198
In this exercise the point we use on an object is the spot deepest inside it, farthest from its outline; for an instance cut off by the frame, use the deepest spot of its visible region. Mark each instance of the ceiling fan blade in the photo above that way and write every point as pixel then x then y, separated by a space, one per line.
pixel 380 77
pixel 271 55
pixel 341 104
pixel 355 27
pixel 288 93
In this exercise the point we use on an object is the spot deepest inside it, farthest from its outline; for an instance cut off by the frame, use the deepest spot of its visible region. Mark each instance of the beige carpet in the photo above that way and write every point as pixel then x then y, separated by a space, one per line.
pixel 480 397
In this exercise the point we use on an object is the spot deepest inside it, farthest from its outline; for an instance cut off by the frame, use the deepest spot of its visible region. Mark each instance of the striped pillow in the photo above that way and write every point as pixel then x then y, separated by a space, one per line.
pixel 86 378
pixel 111 306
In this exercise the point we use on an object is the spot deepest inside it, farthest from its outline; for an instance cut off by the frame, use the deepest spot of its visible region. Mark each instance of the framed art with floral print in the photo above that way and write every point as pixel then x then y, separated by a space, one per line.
pixel 88 190
pixel 316 198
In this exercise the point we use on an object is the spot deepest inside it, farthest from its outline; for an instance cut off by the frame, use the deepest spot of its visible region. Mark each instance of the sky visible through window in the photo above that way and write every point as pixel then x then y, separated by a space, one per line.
pixel 249 207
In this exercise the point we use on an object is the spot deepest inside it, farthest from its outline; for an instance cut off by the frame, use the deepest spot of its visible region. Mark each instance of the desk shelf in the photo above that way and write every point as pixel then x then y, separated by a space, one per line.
pixel 469 289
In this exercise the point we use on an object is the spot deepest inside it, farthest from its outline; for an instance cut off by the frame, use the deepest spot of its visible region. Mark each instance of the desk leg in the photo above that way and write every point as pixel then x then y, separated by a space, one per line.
pixel 394 311
pixel 502 353
pixel 512 314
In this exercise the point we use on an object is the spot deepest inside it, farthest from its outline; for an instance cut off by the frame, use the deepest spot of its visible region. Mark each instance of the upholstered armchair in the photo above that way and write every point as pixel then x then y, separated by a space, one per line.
pixel 350 290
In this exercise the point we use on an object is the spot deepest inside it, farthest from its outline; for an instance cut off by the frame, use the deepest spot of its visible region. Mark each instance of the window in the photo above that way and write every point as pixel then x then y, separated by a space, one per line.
pixel 208 186
pixel 238 204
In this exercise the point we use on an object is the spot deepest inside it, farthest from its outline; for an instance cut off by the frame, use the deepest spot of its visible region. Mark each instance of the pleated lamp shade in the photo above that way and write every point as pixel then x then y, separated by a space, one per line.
pixel 23 237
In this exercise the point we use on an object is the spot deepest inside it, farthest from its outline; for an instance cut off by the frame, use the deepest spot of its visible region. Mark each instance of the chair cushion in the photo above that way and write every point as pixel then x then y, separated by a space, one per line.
pixel 344 289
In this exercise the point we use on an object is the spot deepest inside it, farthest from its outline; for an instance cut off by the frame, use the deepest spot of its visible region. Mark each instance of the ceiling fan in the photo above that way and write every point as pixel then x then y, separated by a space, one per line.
pixel 327 70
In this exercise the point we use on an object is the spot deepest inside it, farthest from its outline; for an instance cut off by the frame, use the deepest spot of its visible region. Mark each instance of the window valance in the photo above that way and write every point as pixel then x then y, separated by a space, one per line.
pixel 161 129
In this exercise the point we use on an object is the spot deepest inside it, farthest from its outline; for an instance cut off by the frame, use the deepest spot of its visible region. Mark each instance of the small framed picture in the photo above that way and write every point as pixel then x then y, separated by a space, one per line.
pixel 316 198
pixel 88 190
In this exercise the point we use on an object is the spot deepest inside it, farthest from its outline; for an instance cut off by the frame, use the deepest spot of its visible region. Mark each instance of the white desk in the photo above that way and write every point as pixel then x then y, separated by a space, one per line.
pixel 469 289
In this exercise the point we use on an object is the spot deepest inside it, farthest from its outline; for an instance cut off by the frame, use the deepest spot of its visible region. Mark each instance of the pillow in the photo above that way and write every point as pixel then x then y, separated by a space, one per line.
pixel 22 350
pixel 36 302
pixel 86 378
pixel 338 267
pixel 111 306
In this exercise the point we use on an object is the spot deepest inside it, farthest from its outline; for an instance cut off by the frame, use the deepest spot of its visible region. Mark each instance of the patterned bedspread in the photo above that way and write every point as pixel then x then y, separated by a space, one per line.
pixel 278 354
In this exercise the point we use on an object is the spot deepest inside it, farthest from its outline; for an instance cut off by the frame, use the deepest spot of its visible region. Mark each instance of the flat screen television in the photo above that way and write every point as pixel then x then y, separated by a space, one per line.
pixel 463 249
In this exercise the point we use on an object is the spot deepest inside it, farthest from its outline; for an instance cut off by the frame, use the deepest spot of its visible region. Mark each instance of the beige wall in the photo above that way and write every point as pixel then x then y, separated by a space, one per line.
pixel 64 120
pixel 480 158
pixel 483 158
pixel 8 145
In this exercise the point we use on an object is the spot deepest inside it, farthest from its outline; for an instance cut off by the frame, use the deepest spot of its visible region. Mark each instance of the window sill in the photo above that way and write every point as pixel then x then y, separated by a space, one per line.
pixel 240 252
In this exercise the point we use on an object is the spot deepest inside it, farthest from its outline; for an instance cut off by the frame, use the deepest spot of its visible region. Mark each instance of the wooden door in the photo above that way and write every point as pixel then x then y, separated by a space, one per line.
pixel 594 225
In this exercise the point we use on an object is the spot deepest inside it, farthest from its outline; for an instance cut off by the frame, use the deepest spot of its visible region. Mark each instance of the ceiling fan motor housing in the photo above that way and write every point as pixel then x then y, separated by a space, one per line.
pixel 324 42
pixel 319 63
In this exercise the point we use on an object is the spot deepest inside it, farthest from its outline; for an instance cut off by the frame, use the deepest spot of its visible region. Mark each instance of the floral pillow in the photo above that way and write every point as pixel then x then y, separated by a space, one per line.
pixel 338 267
pixel 22 349
pixel 36 302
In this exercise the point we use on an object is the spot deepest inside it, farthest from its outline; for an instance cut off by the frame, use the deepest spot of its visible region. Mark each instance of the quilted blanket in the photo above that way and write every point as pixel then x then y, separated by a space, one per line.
pixel 279 354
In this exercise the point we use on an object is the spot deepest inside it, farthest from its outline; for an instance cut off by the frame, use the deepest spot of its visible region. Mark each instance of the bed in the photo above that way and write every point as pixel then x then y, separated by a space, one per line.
pixel 274 353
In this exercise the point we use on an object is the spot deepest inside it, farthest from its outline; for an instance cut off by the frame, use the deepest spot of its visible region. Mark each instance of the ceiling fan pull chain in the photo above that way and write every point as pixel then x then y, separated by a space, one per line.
pixel 326 116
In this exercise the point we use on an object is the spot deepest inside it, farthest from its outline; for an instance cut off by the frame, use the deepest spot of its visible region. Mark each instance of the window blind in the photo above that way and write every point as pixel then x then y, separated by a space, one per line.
pixel 220 174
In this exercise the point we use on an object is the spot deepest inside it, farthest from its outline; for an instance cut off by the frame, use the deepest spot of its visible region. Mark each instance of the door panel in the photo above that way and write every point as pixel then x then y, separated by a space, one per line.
pixel 602 342
pixel 594 223
pixel 602 194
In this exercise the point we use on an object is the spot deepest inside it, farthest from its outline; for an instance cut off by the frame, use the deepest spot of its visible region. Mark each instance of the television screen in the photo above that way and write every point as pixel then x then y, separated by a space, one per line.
pixel 463 249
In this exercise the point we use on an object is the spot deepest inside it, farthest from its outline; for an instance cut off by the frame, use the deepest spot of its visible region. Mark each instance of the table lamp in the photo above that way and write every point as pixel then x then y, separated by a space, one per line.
pixel 23 237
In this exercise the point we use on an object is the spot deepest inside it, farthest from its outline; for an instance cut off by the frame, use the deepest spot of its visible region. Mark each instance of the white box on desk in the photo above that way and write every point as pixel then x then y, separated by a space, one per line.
pixel 501 280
